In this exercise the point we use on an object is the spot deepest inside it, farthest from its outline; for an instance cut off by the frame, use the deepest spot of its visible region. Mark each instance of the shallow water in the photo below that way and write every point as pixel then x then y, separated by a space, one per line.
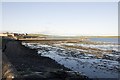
pixel 86 66
pixel 91 67
pixel 112 40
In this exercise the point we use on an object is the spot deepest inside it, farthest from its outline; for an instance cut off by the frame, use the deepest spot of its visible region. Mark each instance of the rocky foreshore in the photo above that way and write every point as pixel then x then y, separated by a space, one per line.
pixel 22 63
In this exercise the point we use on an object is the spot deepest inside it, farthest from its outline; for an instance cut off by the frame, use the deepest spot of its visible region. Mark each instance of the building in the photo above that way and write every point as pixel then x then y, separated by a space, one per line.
pixel 3 34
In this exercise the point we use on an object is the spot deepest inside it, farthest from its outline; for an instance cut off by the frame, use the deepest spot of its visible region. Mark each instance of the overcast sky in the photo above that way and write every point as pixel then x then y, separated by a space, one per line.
pixel 61 18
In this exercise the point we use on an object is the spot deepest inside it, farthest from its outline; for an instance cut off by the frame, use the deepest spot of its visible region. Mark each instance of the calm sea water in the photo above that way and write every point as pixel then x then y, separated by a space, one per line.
pixel 113 40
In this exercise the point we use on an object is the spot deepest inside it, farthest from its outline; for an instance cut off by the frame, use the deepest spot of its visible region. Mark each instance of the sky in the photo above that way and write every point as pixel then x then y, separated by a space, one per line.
pixel 61 18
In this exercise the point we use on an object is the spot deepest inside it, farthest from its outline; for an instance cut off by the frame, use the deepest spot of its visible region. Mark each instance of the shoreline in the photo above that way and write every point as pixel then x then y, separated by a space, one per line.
pixel 30 65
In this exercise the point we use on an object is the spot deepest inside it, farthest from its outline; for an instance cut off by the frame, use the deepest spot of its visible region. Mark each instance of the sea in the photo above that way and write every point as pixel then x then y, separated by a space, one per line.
pixel 110 40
